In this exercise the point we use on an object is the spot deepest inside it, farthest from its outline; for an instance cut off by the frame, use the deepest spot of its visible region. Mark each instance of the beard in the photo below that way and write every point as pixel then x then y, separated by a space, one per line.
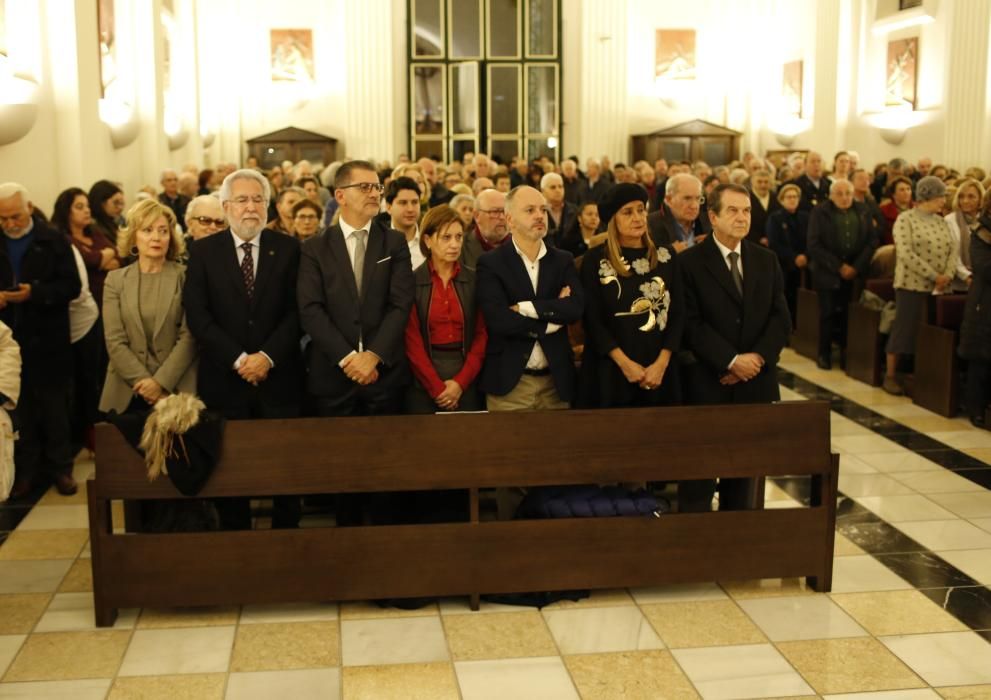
pixel 247 230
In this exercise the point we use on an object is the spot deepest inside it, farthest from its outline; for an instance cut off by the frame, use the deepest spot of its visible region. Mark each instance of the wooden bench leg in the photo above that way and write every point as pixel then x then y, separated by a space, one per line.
pixel 805 339
pixel 100 527
pixel 824 495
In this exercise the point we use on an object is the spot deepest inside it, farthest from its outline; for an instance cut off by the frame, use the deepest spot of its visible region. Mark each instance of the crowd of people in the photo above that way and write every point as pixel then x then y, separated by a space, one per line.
pixel 367 289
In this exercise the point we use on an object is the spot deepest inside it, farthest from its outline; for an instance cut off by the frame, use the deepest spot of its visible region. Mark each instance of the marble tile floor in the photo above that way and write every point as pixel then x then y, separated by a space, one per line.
pixel 909 617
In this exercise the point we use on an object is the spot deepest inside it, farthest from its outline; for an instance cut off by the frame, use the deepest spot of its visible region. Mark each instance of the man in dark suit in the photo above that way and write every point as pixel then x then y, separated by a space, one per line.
pixel 39 273
pixel 681 221
pixel 763 203
pixel 528 293
pixel 813 183
pixel 355 293
pixel 172 198
pixel 240 301
pixel 841 243
pixel 736 324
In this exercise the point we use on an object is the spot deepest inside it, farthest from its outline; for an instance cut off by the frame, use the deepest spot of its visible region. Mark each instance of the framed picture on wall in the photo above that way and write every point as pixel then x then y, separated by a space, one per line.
pixel 902 73
pixel 674 53
pixel 106 27
pixel 292 55
pixel 791 89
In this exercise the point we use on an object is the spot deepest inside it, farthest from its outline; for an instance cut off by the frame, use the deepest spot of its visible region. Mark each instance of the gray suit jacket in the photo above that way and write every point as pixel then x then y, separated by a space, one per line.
pixel 170 357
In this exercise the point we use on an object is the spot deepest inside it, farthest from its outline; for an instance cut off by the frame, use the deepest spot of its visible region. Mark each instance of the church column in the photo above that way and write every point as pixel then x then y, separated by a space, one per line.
pixel 603 88
pixel 367 55
pixel 966 135
pixel 824 136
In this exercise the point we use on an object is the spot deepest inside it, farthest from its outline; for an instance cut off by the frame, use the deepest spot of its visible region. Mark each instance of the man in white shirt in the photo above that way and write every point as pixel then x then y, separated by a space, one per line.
pixel 402 202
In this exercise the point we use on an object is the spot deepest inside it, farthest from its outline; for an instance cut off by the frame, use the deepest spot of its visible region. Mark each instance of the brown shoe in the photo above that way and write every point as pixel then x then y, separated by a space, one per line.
pixel 66 485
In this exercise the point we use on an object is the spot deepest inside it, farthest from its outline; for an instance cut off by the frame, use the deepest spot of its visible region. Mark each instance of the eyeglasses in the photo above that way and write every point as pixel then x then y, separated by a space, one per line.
pixel 493 212
pixel 365 187
pixel 207 221
pixel 243 200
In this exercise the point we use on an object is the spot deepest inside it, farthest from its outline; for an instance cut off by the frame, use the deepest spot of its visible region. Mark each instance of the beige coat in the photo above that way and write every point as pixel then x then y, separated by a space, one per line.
pixel 10 386
pixel 171 356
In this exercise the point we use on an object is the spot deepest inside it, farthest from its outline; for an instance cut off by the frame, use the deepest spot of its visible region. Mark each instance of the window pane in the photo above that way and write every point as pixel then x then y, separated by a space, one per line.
pixel 541 100
pixel 427 37
pixel 274 155
pixel 715 152
pixel 504 27
pixel 460 148
pixel 542 28
pixel 428 90
pixel 428 149
pixel 506 150
pixel 466 29
pixel 537 148
pixel 464 98
pixel 504 99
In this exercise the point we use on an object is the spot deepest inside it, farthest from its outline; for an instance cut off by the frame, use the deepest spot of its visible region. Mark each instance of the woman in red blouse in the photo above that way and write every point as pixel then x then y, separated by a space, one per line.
pixel 445 335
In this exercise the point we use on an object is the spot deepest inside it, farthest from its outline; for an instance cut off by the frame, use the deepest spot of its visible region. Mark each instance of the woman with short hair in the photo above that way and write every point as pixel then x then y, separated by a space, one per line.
pixel 787 234
pixel 306 215
pixel 963 220
pixel 899 190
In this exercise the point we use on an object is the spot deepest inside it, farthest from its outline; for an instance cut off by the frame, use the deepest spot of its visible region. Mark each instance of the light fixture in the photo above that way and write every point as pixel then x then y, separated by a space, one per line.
pixel 552 142
pixel 18 106
pixel 915 17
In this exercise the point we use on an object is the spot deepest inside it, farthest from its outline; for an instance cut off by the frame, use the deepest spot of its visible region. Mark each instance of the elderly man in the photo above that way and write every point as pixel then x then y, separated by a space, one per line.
pixel 483 166
pixel 528 293
pixel 204 217
pixel 923 167
pixel 595 185
pixel 488 230
pixel 841 242
pixel 402 202
pixel 561 213
pixel 481 183
pixel 861 182
pixel 189 184
pixel 439 194
pixel 172 198
pixel 813 183
pixel 38 272
pixel 736 324
pixel 679 222
pixel 763 203
pixel 574 183
pixel 284 203
pixel 240 301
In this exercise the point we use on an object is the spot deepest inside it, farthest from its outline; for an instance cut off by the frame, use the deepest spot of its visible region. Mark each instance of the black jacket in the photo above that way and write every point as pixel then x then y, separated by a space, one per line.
pixel 503 282
pixel 975 331
pixel 759 216
pixel 664 229
pixel 823 245
pixel 720 324
pixel 787 235
pixel 41 324
pixel 812 196
pixel 337 317
pixel 225 323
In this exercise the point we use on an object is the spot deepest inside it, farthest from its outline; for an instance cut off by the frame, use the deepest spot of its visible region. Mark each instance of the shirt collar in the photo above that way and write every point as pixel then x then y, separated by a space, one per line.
pixel 348 229
pixel 542 253
pixel 238 242
pixel 433 273
pixel 724 251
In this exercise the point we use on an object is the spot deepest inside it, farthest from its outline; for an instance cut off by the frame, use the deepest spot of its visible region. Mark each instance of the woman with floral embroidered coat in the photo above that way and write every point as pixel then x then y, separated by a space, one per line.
pixel 634 309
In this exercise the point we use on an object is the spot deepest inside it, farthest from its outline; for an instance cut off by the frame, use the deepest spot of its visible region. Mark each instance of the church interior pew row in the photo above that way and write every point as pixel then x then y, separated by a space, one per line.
pixel 473 451
pixel 937 367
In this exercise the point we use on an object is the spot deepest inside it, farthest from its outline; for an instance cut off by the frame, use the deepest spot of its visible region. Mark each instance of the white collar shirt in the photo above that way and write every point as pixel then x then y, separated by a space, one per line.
pixel 255 251
pixel 537 359
pixel 349 240
pixel 724 251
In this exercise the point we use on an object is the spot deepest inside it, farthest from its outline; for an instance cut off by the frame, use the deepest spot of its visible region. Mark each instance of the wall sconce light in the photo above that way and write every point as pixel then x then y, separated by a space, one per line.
pixel 786 127
pixel 895 123
pixel 122 120
pixel 18 107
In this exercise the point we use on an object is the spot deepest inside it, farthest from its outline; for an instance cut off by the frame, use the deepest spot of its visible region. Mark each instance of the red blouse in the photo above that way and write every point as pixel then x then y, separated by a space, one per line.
pixel 445 326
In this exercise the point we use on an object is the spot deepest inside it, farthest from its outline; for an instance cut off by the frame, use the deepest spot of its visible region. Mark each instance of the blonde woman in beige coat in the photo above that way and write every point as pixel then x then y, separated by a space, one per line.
pixel 152 353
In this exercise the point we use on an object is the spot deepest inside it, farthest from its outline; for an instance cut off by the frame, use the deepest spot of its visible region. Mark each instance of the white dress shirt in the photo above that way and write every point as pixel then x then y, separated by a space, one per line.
pixel 351 243
pixel 416 256
pixel 724 251
pixel 538 360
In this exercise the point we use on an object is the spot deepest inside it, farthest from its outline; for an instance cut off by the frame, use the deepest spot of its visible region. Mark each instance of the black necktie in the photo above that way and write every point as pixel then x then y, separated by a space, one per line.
pixel 734 270
pixel 248 270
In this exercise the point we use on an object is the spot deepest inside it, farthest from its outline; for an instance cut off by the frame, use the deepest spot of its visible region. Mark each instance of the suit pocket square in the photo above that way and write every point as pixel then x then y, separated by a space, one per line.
pixel 388 257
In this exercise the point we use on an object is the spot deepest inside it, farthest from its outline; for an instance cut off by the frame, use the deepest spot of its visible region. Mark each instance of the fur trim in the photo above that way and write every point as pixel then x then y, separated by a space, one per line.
pixel 171 418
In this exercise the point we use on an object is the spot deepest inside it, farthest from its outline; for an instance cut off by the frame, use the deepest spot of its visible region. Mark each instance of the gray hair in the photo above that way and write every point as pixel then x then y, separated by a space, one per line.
pixel 738 176
pixel 196 202
pixel 460 199
pixel 245 174
pixel 167 170
pixel 898 164
pixel 10 189
pixel 836 184
pixel 550 178
pixel 296 190
pixel 674 182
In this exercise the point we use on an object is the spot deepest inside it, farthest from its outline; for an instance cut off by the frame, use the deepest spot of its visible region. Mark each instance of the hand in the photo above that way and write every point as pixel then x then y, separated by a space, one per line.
pixel 148 389
pixel 22 294
pixel 679 246
pixel 847 272
pixel 653 375
pixel 801 261
pixel 362 368
pixel 111 264
pixel 729 379
pixel 565 292
pixel 701 237
pixel 747 366
pixel 448 399
pixel 764 241
pixel 633 371
pixel 969 280
pixel 3 300
pixel 942 281
pixel 106 255
pixel 515 308
pixel 254 368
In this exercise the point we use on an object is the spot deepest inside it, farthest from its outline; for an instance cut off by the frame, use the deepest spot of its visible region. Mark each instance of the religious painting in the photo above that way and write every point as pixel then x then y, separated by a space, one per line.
pixel 674 54
pixel 902 73
pixel 108 45
pixel 292 55
pixel 791 89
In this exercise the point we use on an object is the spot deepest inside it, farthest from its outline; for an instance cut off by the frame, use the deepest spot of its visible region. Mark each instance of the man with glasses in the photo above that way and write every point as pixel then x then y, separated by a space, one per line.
pixel 489 230
pixel 240 301
pixel 204 216
pixel 680 222
pixel 355 294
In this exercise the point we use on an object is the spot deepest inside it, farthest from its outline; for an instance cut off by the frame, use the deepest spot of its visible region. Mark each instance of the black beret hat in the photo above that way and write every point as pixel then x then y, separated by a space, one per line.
pixel 618 196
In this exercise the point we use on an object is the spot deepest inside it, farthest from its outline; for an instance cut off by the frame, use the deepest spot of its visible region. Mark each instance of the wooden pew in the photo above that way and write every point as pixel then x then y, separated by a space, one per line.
pixel 936 385
pixel 805 338
pixel 473 451
pixel 864 349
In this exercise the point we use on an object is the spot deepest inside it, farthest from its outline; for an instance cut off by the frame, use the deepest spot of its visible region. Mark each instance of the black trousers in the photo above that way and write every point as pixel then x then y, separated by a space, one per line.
pixel 89 369
pixel 43 419
pixel 978 389
pixel 235 513
pixel 833 312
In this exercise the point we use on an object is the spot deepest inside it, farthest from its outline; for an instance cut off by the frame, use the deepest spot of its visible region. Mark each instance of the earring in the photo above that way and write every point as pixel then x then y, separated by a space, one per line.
pixel 134 251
